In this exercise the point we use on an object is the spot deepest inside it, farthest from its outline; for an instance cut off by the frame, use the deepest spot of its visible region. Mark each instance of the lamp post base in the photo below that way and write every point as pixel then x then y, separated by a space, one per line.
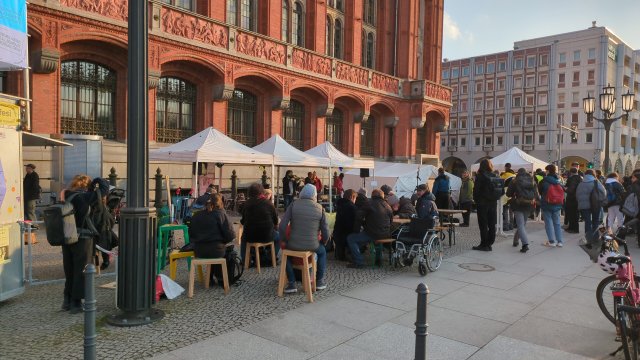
pixel 127 319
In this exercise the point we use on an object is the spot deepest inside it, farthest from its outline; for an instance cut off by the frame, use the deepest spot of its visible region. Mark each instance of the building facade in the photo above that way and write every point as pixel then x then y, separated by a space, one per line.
pixel 520 97
pixel 310 70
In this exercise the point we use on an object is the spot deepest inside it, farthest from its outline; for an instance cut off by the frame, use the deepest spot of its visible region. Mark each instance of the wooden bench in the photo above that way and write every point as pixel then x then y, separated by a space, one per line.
pixel 451 230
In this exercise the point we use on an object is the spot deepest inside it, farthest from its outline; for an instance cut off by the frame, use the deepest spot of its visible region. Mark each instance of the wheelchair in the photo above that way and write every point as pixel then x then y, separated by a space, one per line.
pixel 418 241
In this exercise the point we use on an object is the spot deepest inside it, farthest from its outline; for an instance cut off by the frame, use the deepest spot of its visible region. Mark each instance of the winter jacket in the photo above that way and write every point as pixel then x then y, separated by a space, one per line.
pixel 440 185
pixel 259 218
pixel 307 218
pixel 613 185
pixel 286 181
pixel 210 232
pixel 482 189
pixel 572 185
pixel 522 183
pixel 405 209
pixel 376 217
pixel 583 193
pixel 345 218
pixel 543 187
pixel 31 186
pixel 426 206
pixel 466 191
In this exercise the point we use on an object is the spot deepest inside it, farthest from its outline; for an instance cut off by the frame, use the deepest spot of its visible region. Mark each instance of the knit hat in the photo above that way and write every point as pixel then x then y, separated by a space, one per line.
pixel 392 200
pixel 362 191
pixel 308 192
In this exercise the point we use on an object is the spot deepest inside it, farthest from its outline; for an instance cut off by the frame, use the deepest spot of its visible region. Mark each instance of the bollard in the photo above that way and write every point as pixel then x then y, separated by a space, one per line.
pixel 158 199
pixel 234 189
pixel 89 312
pixel 421 323
pixel 113 177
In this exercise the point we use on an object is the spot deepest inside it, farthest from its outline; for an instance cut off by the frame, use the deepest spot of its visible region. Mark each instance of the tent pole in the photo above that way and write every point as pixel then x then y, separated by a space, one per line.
pixel 330 192
pixel 273 175
pixel 277 188
pixel 220 180
pixel 195 181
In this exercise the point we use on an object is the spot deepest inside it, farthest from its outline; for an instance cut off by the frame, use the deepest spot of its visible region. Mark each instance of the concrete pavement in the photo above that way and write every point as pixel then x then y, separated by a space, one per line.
pixel 538 305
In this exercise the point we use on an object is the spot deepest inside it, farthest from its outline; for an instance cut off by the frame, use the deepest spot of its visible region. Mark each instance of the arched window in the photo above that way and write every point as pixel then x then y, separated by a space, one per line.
pixel 370 12
pixel 88 93
pixel 242 110
pixel 243 13
pixel 364 48
pixel 339 5
pixel 292 119
pixel 285 20
pixel 334 128
pixel 370 53
pixel 175 105
pixel 297 25
pixel 327 37
pixel 421 141
pixel 367 137
pixel 337 40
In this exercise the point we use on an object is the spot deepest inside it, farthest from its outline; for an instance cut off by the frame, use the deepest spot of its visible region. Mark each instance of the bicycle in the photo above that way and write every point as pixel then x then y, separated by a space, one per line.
pixel 623 290
pixel 629 331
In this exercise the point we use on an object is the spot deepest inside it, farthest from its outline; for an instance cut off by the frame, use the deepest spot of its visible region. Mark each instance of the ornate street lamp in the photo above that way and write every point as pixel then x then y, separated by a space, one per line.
pixel 608 108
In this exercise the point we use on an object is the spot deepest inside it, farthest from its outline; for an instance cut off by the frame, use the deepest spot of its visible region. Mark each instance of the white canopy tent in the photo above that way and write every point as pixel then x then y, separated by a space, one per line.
pixel 517 158
pixel 337 159
pixel 210 145
pixel 403 178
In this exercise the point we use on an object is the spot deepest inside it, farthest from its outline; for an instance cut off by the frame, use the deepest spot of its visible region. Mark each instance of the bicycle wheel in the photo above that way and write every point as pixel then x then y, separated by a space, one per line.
pixel 434 252
pixel 629 335
pixel 605 299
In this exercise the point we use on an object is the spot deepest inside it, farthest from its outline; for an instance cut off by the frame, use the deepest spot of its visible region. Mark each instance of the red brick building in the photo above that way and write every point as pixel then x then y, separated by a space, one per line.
pixel 364 74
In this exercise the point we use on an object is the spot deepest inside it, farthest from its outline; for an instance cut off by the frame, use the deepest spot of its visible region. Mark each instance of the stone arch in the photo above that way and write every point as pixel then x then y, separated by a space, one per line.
pixel 73 35
pixel 567 160
pixel 307 86
pixel 201 63
pixel 269 94
pixel 384 103
pixel 386 123
pixel 454 165
pixel 347 96
pixel 628 168
pixel 264 78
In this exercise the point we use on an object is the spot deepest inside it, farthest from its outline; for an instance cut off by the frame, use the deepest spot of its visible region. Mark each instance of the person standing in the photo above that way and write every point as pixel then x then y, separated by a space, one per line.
pixel 591 214
pixel 441 189
pixel 337 185
pixel 317 182
pixel 485 206
pixel 507 215
pixel 550 184
pixel 523 193
pixel 571 205
pixel 466 198
pixel 615 199
pixel 289 186
pixel 31 188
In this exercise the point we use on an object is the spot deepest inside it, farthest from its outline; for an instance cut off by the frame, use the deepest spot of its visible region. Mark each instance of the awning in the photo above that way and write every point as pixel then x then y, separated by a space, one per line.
pixel 29 139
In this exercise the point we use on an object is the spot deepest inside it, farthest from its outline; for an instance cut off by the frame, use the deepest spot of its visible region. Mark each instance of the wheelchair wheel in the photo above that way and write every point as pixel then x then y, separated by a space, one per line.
pixel 434 253
pixel 422 268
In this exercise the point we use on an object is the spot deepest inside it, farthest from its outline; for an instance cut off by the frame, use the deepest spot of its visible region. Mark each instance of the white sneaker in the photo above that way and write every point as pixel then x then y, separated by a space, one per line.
pixel 549 244
pixel 560 244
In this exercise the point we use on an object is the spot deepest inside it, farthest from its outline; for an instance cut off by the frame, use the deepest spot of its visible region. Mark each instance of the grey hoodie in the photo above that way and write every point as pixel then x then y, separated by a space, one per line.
pixel 583 193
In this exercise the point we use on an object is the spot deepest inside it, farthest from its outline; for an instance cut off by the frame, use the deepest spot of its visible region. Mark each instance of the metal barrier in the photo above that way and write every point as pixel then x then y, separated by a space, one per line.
pixel 421 323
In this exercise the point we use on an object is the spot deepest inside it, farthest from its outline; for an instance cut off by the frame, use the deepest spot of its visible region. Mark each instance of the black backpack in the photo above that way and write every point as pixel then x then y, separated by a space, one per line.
pixel 235 267
pixel 496 184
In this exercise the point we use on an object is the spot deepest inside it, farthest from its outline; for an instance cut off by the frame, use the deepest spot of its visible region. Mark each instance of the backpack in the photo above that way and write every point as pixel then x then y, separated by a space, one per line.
pixel 526 192
pixel 60 223
pixel 630 206
pixel 496 185
pixel 554 194
pixel 235 267
pixel 596 198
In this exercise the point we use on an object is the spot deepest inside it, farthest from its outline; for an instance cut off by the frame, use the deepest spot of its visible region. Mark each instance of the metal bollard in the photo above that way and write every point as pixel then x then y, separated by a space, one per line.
pixel 421 323
pixel 89 312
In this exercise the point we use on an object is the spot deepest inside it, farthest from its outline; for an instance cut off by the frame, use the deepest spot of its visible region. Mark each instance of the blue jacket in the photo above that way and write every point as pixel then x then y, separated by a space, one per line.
pixel 441 184
pixel 543 187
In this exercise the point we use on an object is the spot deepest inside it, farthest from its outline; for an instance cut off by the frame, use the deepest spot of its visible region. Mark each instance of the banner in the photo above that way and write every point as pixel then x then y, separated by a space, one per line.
pixel 13 35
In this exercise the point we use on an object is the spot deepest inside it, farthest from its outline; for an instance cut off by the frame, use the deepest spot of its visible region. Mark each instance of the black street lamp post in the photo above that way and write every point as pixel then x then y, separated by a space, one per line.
pixel 608 107
pixel 136 260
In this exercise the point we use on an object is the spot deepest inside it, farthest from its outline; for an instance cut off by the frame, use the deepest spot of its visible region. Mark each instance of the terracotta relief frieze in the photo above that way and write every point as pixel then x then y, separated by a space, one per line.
pixel 352 74
pixel 437 91
pixel 193 28
pixel 50 33
pixel 311 62
pixel 261 48
pixel 35 19
pixel 154 56
pixel 385 83
pixel 115 9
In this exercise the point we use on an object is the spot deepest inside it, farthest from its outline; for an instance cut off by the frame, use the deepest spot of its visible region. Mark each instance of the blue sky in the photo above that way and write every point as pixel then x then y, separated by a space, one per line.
pixel 479 27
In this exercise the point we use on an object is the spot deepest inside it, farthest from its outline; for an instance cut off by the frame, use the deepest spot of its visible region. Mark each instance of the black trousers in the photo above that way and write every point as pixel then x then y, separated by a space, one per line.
pixel 74 258
pixel 487 218
pixel 572 214
pixel 442 200
pixel 465 216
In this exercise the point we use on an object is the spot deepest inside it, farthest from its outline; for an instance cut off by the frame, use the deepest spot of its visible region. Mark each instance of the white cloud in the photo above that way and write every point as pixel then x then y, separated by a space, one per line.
pixel 450 28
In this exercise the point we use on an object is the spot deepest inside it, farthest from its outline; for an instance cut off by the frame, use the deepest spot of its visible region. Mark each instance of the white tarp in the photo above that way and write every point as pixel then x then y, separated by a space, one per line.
pixel 517 158
pixel 210 145
pixel 403 178
pixel 338 159
pixel 286 155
